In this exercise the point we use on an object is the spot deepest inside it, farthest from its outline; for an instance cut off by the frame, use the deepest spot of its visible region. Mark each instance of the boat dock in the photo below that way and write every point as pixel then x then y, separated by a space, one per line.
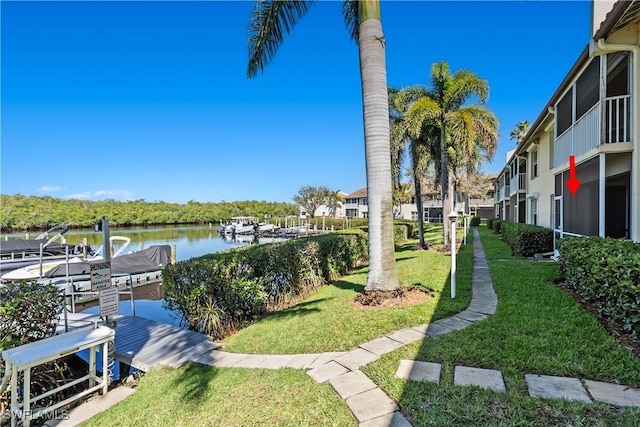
pixel 145 344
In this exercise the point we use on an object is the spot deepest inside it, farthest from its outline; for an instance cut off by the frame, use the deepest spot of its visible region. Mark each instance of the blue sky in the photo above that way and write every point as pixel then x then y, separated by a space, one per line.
pixel 150 100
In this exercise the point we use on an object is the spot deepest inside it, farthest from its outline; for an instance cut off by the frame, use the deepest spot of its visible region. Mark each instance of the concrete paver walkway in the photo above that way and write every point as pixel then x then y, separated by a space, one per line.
pixel 371 406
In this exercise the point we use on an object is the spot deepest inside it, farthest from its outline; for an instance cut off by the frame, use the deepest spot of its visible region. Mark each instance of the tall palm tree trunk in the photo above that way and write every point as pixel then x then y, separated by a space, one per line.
pixel 417 186
pixel 420 207
pixel 382 272
pixel 444 182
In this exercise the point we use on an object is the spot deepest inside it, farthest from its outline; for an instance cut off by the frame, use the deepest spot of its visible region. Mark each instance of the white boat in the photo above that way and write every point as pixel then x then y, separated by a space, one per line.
pixel 244 225
pixel 37 270
pixel 137 265
pixel 48 246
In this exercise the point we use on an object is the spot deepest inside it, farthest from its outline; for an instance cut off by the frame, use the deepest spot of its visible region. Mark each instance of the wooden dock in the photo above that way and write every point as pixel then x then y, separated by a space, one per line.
pixel 145 344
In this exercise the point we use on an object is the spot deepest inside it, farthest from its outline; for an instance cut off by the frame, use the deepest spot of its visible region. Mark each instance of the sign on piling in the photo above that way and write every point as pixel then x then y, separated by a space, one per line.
pixel 109 301
pixel 100 275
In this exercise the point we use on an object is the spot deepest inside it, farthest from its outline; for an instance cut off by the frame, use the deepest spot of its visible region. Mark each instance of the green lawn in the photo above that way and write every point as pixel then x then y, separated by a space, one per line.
pixel 536 329
pixel 328 322
pixel 197 395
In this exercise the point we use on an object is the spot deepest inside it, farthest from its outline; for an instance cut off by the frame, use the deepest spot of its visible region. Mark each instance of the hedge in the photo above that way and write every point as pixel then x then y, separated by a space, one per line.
pixel 605 272
pixel 497 226
pixel 526 239
pixel 220 292
pixel 475 221
pixel 490 223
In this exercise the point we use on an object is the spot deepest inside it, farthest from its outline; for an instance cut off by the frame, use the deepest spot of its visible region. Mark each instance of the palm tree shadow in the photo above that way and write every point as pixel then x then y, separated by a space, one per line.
pixel 195 381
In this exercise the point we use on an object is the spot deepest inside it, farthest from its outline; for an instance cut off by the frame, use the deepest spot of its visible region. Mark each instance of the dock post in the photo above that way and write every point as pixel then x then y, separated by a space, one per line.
pixel 173 254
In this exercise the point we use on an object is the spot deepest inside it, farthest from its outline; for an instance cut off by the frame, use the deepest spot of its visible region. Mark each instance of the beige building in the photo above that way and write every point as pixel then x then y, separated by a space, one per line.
pixel 593 117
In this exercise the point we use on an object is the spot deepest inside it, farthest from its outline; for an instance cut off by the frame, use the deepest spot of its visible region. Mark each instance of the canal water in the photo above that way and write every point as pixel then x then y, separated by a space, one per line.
pixel 189 240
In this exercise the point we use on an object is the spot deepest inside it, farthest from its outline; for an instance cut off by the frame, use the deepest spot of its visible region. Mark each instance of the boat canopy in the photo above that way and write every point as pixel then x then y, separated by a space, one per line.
pixel 8 247
pixel 144 261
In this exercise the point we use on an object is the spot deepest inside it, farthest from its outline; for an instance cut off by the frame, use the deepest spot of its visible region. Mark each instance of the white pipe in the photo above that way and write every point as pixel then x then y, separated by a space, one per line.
pixel 635 124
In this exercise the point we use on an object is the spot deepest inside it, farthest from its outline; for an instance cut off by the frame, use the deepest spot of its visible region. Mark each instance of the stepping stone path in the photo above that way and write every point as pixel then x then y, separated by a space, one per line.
pixel 373 408
pixel 486 378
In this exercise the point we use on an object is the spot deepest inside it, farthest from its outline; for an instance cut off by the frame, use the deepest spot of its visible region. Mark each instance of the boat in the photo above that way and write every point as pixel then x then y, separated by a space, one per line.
pixel 244 225
pixel 76 276
pixel 48 246
pixel 39 269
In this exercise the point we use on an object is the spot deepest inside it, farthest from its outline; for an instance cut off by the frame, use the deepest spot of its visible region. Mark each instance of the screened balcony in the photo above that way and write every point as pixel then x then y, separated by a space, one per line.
pixel 584 120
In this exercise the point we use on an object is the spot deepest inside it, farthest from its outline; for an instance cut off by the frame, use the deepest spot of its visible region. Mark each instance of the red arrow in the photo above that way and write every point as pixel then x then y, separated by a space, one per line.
pixel 573 183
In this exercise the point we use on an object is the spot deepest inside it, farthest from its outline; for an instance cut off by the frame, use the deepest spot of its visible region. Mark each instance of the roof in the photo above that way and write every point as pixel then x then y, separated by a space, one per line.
pixel 622 12
pixel 357 194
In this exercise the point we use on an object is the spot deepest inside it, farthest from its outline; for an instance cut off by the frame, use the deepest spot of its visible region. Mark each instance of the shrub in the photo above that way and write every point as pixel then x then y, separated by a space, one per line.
pixel 497 226
pixel 28 312
pixel 605 272
pixel 490 223
pixel 410 225
pixel 400 233
pixel 475 221
pixel 228 290
pixel 527 239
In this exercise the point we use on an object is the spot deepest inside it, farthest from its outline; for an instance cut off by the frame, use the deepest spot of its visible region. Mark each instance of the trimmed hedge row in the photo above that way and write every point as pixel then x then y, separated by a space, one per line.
pixel 526 239
pixel 475 221
pixel 605 272
pixel 490 223
pixel 496 226
pixel 219 292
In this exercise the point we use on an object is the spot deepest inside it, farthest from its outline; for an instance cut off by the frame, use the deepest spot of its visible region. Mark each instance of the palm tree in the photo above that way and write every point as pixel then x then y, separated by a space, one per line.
pixel 270 20
pixel 421 148
pixel 334 199
pixel 520 131
pixel 467 133
pixel 401 196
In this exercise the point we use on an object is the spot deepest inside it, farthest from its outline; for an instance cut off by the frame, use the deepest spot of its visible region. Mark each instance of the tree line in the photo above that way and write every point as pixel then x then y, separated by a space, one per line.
pixel 19 212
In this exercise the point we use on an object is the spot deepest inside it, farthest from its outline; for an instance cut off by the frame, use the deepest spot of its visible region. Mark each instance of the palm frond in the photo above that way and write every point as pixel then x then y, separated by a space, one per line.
pixel 465 84
pixel 270 21
pixel 351 14
pixel 423 111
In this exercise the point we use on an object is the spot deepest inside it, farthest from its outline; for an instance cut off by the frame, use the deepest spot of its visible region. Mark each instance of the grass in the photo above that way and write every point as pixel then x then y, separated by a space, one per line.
pixel 536 329
pixel 327 321
pixel 196 395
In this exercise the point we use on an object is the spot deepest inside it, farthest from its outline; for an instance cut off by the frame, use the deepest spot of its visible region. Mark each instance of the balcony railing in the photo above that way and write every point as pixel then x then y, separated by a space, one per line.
pixel 503 193
pixel 586 133
pixel 618 119
pixel 522 182
pixel 583 136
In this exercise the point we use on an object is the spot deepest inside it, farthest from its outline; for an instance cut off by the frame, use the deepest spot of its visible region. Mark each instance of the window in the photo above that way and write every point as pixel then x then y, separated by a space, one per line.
pixel 414 215
pixel 588 88
pixel 534 211
pixel 564 113
pixel 534 164
pixel 618 74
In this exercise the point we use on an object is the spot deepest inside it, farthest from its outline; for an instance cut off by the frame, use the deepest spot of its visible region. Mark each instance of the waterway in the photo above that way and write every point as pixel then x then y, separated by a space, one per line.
pixel 189 241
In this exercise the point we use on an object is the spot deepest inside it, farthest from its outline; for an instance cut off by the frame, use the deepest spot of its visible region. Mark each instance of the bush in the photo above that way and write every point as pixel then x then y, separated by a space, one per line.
pixel 605 272
pixel 527 239
pixel 475 221
pixel 28 312
pixel 490 223
pixel 497 226
pixel 400 233
pixel 228 290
